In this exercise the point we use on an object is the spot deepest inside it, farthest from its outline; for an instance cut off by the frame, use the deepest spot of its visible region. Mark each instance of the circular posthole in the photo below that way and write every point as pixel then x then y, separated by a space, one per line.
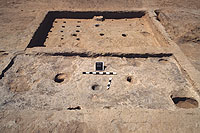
pixel 107 107
pixel 95 87
pixel 78 39
pixel 163 60
pixel 101 34
pixel 61 31
pixel 145 33
pixel 64 22
pixel 62 38
pixel 74 108
pixel 78 26
pixel 124 35
pixel 60 77
pixel 77 30
pixel 56 22
pixel 129 79
pixel 185 102
pixel 74 34
pixel 63 26
pixel 96 25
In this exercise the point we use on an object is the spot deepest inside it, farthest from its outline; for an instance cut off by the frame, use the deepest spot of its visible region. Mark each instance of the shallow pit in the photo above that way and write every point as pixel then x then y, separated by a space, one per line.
pixel 163 60
pixel 59 78
pixel 124 35
pixel 74 34
pixel 95 87
pixel 185 102
pixel 101 34
pixel 129 79
pixel 74 108
pixel 96 25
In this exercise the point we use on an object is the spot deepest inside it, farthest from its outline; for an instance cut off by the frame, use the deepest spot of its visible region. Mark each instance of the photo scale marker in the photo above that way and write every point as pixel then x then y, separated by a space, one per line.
pixel 101 73
pixel 109 83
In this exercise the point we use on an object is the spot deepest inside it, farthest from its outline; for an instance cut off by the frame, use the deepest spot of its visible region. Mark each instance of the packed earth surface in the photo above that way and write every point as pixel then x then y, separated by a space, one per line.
pixel 151 76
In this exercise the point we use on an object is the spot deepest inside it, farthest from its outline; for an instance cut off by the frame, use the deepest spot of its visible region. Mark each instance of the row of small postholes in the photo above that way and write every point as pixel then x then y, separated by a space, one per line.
pixel 96 25
pixel 101 34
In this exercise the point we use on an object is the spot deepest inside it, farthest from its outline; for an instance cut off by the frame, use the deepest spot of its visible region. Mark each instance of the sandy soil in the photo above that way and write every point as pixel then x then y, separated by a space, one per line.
pixel 183 27
pixel 160 53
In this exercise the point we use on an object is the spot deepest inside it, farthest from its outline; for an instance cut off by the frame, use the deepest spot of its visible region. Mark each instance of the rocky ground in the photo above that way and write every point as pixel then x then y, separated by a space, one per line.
pixel 156 57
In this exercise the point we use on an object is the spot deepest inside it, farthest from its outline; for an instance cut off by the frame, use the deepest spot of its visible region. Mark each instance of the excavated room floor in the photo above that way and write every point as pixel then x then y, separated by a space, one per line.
pixel 43 88
pixel 140 82
pixel 98 32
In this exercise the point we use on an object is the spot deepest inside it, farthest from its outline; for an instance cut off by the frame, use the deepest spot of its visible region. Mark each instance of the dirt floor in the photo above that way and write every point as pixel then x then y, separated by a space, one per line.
pixel 152 45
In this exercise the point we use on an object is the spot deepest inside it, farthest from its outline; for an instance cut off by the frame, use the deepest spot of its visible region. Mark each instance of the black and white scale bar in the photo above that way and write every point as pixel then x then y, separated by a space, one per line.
pixel 101 73
pixel 109 83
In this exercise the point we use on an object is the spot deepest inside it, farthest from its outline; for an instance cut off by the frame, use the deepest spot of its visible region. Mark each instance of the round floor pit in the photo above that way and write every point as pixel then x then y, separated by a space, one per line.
pixel 129 79
pixel 59 78
pixel 95 87
pixel 124 35
pixel 163 61
pixel 185 102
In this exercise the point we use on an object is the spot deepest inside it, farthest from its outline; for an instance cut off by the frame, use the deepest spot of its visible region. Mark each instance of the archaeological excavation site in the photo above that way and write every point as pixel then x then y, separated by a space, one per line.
pixel 109 67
